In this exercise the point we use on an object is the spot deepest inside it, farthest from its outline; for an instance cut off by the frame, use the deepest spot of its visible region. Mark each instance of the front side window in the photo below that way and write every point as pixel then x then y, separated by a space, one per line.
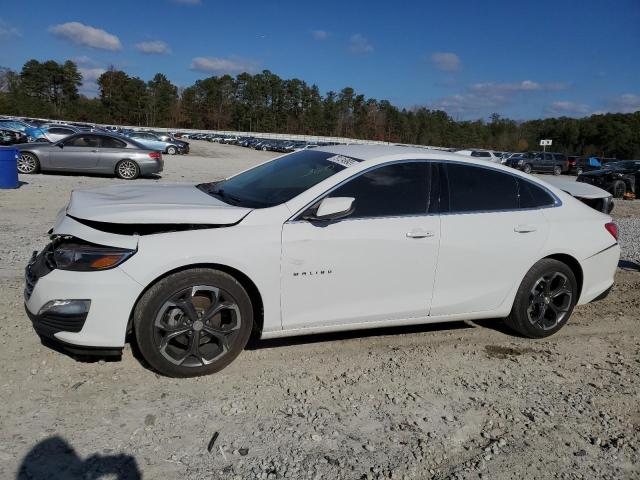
pixel 394 190
pixel 279 180
pixel 83 141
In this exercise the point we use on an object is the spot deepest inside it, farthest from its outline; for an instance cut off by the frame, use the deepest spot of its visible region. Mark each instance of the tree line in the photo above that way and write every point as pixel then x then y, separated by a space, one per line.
pixel 264 102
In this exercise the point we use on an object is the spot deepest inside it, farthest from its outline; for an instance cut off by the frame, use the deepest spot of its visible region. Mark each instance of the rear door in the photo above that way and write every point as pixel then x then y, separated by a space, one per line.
pixel 491 234
pixel 80 152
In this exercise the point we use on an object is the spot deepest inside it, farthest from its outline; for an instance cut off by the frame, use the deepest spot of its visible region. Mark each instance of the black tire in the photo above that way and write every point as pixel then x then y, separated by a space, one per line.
pixel 28 163
pixel 557 170
pixel 174 308
pixel 527 168
pixel 171 150
pixel 538 315
pixel 127 170
pixel 579 171
pixel 619 188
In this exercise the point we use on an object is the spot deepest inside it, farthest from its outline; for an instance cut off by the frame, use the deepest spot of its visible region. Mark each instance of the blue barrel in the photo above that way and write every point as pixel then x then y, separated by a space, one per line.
pixel 8 167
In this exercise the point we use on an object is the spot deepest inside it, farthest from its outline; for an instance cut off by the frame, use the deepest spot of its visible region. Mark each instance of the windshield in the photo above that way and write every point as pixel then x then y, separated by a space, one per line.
pixel 278 181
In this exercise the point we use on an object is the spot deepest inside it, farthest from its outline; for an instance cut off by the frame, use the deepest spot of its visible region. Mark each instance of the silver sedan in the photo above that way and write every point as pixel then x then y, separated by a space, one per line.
pixel 90 153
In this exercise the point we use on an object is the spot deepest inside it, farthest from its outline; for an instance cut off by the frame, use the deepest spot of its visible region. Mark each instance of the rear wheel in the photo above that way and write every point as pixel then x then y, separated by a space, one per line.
pixel 127 170
pixel 545 299
pixel 172 150
pixel 28 163
pixel 579 171
pixel 193 322
pixel 619 188
pixel 526 168
pixel 557 170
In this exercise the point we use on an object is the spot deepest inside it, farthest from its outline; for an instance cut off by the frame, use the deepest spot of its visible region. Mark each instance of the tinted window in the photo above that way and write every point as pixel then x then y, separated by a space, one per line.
pixel 533 196
pixel 559 156
pixel 474 188
pixel 84 141
pixel 394 190
pixel 475 153
pixel 110 142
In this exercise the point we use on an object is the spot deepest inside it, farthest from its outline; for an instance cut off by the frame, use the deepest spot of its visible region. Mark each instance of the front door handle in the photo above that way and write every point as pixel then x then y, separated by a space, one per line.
pixel 524 228
pixel 420 233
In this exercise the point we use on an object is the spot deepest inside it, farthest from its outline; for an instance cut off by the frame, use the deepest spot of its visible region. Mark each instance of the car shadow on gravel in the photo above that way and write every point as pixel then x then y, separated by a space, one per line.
pixel 629 265
pixel 54 457
pixel 256 344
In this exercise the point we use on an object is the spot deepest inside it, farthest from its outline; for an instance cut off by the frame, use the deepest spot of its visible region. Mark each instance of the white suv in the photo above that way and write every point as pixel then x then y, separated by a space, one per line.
pixel 487 155
pixel 320 240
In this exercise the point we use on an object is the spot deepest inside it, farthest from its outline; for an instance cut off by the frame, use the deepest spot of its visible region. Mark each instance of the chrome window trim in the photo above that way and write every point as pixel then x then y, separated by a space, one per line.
pixel 556 201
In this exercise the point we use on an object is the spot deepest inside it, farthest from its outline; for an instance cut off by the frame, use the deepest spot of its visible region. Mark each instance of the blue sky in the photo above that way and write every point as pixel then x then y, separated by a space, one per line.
pixel 522 59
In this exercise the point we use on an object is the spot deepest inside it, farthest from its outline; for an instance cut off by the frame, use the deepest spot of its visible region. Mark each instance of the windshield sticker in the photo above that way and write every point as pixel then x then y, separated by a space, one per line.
pixel 342 160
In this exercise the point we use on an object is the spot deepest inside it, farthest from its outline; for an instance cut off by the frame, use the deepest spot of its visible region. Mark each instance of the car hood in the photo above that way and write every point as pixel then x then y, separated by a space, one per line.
pixel 152 204
pixel 576 189
pixel 605 171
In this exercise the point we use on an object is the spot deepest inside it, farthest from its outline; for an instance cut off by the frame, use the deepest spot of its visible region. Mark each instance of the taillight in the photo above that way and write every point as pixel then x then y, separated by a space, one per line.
pixel 154 154
pixel 612 228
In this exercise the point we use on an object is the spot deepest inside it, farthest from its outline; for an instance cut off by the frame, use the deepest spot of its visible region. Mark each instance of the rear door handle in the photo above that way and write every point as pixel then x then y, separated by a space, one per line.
pixel 420 233
pixel 524 228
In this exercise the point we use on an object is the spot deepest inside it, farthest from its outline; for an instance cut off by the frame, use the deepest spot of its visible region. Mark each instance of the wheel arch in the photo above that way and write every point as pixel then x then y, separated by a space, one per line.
pixel 573 264
pixel 245 281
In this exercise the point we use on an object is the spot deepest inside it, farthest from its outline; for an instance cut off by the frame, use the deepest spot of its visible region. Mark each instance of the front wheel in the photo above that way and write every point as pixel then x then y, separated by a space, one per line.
pixel 172 150
pixel 193 322
pixel 526 168
pixel 28 163
pixel 545 299
pixel 557 170
pixel 579 171
pixel 127 170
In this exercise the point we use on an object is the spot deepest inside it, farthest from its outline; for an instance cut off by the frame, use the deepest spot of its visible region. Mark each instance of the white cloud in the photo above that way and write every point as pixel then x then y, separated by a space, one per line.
pixel 446 61
pixel 627 103
pixel 7 30
pixel 222 65
pixel 482 98
pixel 91 74
pixel 565 107
pixel 154 47
pixel 358 44
pixel 86 35
pixel 319 34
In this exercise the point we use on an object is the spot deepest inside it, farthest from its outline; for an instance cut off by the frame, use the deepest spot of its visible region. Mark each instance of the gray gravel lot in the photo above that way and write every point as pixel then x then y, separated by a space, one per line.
pixel 458 400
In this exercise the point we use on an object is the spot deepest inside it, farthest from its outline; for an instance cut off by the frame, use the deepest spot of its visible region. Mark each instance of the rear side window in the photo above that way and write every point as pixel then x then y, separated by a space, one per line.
pixel 110 142
pixel 476 153
pixel 394 190
pixel 533 196
pixel 477 189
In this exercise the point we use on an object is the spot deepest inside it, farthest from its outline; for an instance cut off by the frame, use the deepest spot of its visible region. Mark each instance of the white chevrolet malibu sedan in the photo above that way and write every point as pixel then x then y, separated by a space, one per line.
pixel 320 240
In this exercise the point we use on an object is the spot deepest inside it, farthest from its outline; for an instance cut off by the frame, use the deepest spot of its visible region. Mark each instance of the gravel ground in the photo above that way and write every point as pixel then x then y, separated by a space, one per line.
pixel 456 400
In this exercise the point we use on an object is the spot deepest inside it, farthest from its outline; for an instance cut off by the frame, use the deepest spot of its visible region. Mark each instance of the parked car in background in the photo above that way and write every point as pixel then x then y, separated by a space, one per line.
pixel 9 136
pixel 591 195
pixel 545 162
pixel 52 133
pixel 578 165
pixel 616 177
pixel 15 124
pixel 90 153
pixel 456 237
pixel 152 141
pixel 481 154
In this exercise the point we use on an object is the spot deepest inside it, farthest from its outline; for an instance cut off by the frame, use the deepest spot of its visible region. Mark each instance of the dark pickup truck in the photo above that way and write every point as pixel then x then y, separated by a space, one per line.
pixel 545 162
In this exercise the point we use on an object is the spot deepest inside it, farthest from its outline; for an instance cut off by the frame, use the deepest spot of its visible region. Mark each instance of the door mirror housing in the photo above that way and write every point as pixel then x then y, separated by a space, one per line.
pixel 332 208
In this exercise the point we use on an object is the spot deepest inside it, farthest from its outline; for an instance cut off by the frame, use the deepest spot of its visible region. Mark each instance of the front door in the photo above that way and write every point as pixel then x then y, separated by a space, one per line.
pixel 376 264
pixel 79 152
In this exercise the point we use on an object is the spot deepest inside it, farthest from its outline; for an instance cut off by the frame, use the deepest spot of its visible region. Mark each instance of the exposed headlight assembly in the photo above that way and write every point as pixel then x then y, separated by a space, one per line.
pixel 81 257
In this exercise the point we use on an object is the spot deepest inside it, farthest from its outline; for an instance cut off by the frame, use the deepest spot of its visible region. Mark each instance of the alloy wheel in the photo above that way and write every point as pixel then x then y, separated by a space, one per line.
pixel 549 300
pixel 127 169
pixel 197 325
pixel 26 163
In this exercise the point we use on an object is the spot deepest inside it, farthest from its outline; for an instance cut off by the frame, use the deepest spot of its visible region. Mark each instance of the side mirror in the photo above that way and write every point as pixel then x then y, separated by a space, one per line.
pixel 332 209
